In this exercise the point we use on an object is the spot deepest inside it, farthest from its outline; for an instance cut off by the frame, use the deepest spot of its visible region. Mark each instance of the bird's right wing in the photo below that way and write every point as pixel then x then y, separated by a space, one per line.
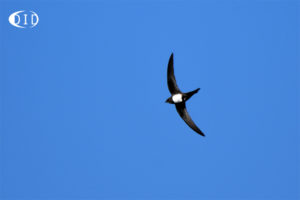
pixel 172 85
pixel 181 109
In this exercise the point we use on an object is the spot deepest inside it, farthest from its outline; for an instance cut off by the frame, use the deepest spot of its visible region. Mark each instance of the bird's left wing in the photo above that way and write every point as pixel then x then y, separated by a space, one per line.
pixel 181 109
pixel 172 85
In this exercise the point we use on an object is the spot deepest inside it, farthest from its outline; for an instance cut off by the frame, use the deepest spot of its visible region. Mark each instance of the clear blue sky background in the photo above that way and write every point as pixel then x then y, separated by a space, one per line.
pixel 82 100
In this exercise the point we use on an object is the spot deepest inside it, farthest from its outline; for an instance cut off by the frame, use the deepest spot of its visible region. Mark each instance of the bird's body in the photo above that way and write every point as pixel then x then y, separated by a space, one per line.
pixel 179 98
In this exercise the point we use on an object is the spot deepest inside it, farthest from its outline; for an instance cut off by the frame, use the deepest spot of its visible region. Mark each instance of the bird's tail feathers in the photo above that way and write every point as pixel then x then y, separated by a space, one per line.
pixel 190 94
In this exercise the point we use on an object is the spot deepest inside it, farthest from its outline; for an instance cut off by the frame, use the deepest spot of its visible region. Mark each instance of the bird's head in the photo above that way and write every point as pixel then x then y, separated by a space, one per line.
pixel 169 100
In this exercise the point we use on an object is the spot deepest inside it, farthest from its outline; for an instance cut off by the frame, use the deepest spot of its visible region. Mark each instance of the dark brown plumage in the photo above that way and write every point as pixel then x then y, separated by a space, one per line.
pixel 180 97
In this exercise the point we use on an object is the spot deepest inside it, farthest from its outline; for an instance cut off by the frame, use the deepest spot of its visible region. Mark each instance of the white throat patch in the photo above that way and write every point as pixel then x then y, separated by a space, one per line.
pixel 177 98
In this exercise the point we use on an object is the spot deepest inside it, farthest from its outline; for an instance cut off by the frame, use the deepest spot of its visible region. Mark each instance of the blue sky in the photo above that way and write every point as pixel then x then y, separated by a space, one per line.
pixel 82 100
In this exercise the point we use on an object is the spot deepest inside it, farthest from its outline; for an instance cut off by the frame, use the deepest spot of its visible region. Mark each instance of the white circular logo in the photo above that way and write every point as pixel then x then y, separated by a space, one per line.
pixel 23 19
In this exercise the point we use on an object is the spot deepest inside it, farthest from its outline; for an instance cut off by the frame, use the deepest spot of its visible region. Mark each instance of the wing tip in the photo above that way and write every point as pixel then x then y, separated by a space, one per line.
pixel 201 133
pixel 171 60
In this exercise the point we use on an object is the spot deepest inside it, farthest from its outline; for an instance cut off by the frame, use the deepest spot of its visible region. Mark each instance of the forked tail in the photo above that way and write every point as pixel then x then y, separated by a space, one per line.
pixel 190 94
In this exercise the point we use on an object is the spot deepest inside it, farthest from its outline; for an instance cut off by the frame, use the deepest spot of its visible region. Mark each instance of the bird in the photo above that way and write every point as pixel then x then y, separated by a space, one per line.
pixel 179 98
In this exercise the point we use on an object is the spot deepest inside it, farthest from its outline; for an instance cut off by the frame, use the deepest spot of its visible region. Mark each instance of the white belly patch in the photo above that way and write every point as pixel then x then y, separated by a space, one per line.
pixel 177 98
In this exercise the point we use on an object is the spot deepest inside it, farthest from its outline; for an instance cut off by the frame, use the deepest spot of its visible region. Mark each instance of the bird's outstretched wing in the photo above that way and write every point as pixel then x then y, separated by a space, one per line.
pixel 172 85
pixel 181 109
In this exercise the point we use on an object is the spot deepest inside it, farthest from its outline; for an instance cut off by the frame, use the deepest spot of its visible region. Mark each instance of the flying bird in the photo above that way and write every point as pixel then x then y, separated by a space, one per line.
pixel 179 98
